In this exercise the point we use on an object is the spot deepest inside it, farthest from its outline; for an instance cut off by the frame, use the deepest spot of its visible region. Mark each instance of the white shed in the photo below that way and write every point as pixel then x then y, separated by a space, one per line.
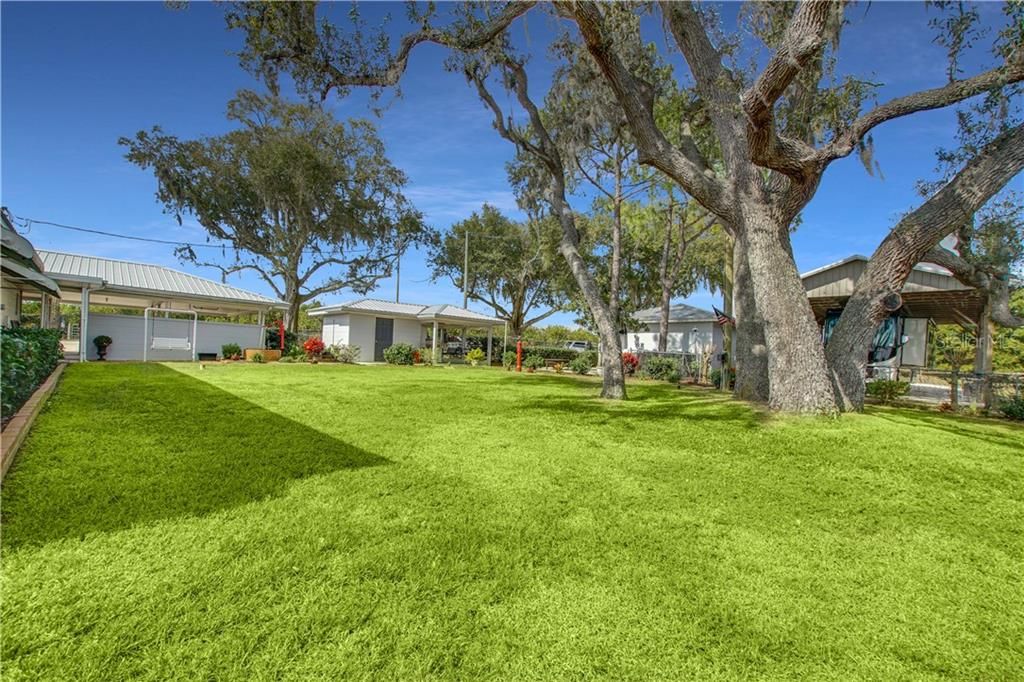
pixel 690 330
pixel 374 325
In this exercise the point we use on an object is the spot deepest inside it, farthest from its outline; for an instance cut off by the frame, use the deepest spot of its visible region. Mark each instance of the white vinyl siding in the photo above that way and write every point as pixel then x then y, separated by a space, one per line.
pixel 127 333
pixel 681 338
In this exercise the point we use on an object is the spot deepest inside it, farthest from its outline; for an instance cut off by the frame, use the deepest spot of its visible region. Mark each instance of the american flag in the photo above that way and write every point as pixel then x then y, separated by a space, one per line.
pixel 722 318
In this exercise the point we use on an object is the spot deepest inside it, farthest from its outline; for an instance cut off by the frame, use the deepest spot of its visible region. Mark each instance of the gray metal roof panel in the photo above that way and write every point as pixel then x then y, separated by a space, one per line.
pixel 678 312
pixel 146 277
pixel 412 310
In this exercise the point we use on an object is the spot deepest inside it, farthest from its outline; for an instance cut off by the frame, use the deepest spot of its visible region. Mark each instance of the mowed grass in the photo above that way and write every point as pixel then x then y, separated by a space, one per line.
pixel 342 522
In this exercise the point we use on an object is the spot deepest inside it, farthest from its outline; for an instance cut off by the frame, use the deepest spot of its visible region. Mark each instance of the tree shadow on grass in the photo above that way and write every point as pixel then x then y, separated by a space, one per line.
pixel 957 425
pixel 649 400
pixel 121 445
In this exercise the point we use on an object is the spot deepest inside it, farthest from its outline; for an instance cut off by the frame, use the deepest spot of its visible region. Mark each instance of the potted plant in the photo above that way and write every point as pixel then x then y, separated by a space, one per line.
pixel 476 356
pixel 102 342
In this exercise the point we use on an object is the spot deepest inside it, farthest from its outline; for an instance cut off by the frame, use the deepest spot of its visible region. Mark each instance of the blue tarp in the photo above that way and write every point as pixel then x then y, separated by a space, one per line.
pixel 886 341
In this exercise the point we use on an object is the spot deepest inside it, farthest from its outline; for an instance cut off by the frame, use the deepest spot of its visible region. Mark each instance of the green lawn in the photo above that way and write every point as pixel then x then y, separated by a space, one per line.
pixel 342 522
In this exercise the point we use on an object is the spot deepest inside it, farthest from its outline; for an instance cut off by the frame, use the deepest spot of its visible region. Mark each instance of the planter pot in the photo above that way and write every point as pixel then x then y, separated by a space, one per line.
pixel 269 355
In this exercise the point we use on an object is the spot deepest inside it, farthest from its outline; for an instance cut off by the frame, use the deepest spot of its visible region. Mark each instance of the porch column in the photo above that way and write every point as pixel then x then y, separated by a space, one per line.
pixel 83 327
pixel 433 345
pixel 490 338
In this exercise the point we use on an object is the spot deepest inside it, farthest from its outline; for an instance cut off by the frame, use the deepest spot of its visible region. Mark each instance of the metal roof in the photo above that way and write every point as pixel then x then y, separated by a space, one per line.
pixel 409 310
pixel 144 278
pixel 678 312
pixel 19 259
pixel 921 267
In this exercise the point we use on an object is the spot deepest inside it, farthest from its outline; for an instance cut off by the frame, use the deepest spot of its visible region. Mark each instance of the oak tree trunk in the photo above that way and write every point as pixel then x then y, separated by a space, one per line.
pixel 797 374
pixel 751 357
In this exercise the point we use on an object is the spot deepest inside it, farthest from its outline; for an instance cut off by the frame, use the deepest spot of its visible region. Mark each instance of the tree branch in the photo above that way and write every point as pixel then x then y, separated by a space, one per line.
pixel 936 98
pixel 391 73
pixel 685 164
pixel 803 40
pixel 538 318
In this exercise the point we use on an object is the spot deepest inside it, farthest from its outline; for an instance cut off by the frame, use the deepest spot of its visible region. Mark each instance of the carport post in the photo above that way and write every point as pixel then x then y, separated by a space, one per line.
pixel 433 345
pixel 490 337
pixel 83 327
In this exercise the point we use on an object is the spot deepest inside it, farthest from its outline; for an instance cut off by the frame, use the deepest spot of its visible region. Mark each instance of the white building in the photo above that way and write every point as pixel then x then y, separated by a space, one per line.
pixel 690 330
pixel 373 325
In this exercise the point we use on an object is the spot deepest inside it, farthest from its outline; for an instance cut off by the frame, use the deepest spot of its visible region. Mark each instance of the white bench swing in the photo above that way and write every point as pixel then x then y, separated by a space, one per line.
pixel 150 340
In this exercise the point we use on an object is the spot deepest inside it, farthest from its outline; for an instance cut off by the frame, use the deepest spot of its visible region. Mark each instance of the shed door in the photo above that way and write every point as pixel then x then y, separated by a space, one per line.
pixel 384 336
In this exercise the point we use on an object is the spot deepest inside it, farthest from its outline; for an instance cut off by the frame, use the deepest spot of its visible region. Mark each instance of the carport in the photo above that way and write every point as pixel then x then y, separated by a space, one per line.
pixel 171 302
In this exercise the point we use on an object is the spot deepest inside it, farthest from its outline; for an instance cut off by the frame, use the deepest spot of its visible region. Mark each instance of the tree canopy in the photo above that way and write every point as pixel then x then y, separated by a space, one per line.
pixel 310 204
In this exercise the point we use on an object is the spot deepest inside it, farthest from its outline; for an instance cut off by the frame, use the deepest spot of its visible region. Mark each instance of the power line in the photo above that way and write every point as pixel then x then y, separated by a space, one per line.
pixel 29 222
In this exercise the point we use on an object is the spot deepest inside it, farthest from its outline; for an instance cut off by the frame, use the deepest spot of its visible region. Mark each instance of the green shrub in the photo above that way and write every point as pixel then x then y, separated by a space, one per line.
pixel 286 359
pixel 1013 408
pixel 230 350
pixel 590 356
pixel 508 360
pixel 27 357
pixel 533 361
pixel 887 391
pixel 659 367
pixel 258 358
pixel 398 354
pixel 273 340
pixel 346 353
pixel 580 365
pixel 476 356
pixel 102 341
pixel 564 354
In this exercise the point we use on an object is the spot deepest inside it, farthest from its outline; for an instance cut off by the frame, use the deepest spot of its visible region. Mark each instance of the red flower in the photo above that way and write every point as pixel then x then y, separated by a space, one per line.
pixel 313 347
pixel 630 362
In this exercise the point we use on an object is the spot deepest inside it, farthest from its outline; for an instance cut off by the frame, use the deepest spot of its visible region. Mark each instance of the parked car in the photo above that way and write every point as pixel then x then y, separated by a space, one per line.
pixel 578 345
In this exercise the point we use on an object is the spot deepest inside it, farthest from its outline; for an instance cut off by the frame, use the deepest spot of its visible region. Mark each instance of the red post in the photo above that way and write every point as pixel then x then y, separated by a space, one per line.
pixel 280 333
pixel 519 356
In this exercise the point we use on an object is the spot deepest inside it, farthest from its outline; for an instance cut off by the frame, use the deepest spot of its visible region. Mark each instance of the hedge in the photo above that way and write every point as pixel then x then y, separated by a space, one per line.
pixel 27 357
pixel 551 353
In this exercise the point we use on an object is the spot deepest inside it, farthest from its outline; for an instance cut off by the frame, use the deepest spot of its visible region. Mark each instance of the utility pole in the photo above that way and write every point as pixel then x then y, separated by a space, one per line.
pixel 465 273
pixel 398 271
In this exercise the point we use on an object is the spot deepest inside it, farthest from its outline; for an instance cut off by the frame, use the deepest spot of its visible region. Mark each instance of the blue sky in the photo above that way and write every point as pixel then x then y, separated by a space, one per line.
pixel 76 76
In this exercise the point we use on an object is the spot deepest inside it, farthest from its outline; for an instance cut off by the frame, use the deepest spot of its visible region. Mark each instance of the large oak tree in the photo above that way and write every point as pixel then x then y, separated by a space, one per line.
pixel 310 204
pixel 776 131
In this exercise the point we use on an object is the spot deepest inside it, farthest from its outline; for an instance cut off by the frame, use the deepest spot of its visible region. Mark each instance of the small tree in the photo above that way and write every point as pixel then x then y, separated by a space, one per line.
pixel 309 204
pixel 955 348
pixel 513 267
